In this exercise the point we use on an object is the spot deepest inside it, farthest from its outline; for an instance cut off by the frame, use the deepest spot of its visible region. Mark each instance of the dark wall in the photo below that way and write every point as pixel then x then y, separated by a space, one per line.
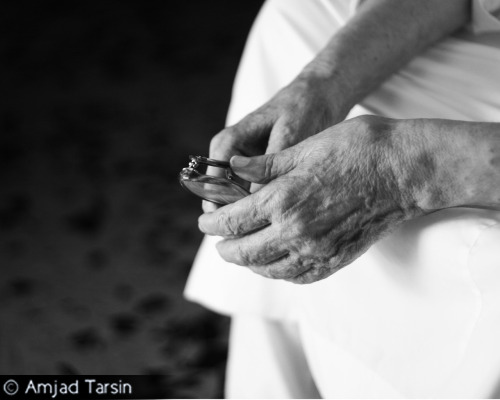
pixel 101 103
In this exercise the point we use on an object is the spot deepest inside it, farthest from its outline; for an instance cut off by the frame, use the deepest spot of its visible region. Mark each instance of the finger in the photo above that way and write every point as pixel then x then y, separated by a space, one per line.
pixel 314 273
pixel 263 169
pixel 283 136
pixel 246 138
pixel 285 133
pixel 259 248
pixel 222 147
pixel 243 139
pixel 284 268
pixel 254 187
pixel 236 219
pixel 208 206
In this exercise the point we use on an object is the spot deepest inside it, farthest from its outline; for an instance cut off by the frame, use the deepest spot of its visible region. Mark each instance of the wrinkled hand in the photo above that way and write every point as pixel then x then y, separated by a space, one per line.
pixel 327 199
pixel 301 109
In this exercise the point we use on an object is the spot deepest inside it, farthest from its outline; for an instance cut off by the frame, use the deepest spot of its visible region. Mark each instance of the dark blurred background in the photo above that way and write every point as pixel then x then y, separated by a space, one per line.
pixel 101 103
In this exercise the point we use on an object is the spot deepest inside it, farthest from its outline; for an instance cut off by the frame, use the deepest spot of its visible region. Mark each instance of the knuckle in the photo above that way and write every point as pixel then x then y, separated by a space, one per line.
pixel 287 133
pixel 269 167
pixel 301 228
pixel 301 233
pixel 243 256
pixel 227 223
pixel 374 125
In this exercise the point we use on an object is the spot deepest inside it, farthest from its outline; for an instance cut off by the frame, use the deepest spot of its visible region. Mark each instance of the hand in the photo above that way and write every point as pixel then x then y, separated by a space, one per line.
pixel 303 108
pixel 327 199
pixel 381 38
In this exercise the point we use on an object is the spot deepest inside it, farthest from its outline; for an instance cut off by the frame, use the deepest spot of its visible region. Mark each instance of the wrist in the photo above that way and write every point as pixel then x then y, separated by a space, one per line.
pixel 457 164
pixel 336 90
pixel 477 162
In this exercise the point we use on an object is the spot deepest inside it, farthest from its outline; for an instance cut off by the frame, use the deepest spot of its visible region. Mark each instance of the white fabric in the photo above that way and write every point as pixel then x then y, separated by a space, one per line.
pixel 420 311
pixel 485 15
pixel 267 360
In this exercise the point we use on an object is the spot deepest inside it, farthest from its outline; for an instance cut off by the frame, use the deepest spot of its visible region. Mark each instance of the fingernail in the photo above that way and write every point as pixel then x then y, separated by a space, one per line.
pixel 239 162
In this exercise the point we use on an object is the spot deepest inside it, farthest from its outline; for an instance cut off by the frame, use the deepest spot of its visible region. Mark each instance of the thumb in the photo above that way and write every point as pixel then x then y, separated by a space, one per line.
pixel 263 169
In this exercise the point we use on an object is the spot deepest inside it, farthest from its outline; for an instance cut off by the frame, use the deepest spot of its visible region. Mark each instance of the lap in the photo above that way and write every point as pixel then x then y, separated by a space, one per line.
pixel 419 309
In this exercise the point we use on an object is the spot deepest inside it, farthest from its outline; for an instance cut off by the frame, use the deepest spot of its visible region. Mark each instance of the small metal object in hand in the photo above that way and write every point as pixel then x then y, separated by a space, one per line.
pixel 217 189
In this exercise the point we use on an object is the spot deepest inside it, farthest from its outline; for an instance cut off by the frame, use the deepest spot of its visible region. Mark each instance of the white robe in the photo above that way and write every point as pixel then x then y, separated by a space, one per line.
pixel 420 310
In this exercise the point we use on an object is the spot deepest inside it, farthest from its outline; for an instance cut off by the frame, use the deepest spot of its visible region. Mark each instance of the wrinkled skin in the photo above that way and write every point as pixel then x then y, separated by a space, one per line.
pixel 326 200
pixel 301 109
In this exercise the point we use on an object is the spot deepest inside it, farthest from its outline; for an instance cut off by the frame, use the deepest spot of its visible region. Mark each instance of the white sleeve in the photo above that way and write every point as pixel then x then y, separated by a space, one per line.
pixel 485 16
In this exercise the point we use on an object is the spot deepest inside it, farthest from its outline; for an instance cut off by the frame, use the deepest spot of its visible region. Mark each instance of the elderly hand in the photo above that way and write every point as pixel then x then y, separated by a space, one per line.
pixel 381 38
pixel 303 108
pixel 329 198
